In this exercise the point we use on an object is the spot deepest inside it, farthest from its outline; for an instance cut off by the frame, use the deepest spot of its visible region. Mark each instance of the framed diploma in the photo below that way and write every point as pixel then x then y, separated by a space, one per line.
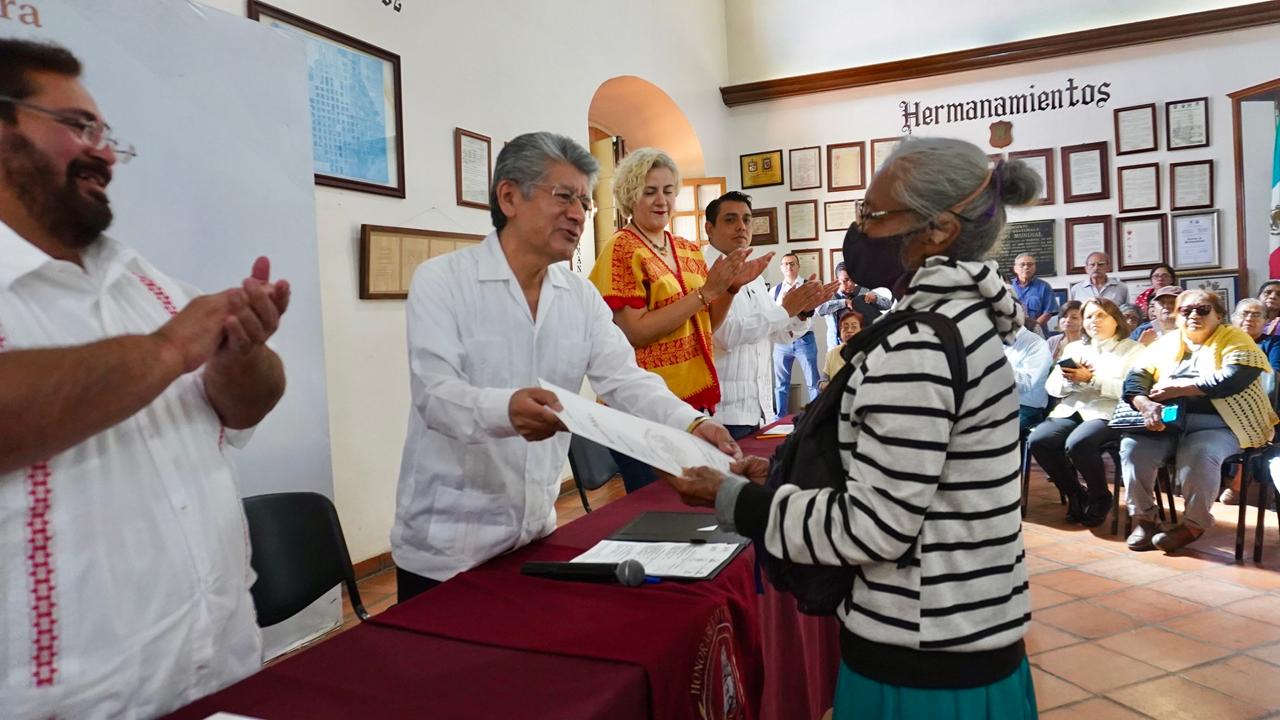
pixel 1136 285
pixel 1191 185
pixel 1085 236
pixel 1041 161
pixel 761 169
pixel 1186 124
pixel 1139 187
pixel 837 257
pixel 764 226
pixel 806 167
pixel 838 215
pixel 1136 129
pixel 357 127
pixel 845 166
pixel 1195 240
pixel 1227 287
pixel 1085 175
pixel 1141 241
pixel 472 166
pixel 810 263
pixel 802 221
pixel 389 255
pixel 881 149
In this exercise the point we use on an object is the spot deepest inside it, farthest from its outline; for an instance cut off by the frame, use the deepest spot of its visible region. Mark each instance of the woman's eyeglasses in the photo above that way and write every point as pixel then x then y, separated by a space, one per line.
pixel 1201 310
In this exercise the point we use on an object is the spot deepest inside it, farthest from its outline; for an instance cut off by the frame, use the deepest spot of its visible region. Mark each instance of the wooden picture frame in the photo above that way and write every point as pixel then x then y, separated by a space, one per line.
pixel 389 255
pixel 764 226
pixel 802 220
pixel 1041 161
pixel 472 155
pixel 357 130
pixel 1079 245
pixel 1194 191
pixel 1137 246
pixel 1135 177
pixel 1226 285
pixel 1093 181
pixel 840 210
pixel 1135 128
pixel 846 166
pixel 1193 241
pixel 836 256
pixel 1186 124
pixel 810 262
pixel 881 149
pixel 761 169
pixel 808 175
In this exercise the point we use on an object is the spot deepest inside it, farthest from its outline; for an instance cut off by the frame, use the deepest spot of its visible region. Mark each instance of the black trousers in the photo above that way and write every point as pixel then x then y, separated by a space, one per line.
pixel 409 584
pixel 1056 440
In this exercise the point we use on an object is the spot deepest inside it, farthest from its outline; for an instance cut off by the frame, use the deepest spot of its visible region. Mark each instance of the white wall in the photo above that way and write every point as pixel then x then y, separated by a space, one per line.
pixel 1205 66
pixel 501 69
pixel 780 38
pixel 1258 130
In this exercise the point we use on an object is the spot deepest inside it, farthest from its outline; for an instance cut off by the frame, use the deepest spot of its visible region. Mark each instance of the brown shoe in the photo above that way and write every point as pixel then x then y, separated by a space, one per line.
pixel 1229 497
pixel 1140 539
pixel 1175 538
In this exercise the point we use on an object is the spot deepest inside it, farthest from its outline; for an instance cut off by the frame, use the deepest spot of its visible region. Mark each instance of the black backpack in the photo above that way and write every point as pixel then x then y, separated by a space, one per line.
pixel 810 459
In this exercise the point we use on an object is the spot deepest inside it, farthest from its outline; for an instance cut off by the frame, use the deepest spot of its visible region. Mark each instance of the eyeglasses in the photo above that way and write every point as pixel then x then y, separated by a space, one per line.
pixel 565 197
pixel 1201 310
pixel 862 215
pixel 1249 314
pixel 94 133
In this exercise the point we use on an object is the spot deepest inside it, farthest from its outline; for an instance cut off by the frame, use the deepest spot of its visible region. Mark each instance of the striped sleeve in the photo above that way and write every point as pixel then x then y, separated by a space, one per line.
pixel 893 443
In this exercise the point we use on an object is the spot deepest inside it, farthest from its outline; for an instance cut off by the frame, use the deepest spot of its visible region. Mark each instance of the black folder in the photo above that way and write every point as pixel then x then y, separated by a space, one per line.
pixel 676 527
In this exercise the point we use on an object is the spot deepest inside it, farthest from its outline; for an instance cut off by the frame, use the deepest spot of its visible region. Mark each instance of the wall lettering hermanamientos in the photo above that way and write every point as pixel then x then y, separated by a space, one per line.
pixel 25 13
pixel 914 115
pixel 394 4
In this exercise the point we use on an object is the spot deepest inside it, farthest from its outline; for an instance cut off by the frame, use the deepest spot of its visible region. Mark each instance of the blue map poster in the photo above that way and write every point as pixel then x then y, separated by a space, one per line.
pixel 353 122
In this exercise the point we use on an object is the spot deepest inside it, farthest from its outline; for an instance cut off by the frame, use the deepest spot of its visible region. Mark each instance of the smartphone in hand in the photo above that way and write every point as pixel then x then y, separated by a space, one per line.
pixel 1068 363
pixel 1169 413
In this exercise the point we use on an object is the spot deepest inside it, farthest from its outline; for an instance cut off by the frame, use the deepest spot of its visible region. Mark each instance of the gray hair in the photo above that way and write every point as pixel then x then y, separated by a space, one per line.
pixel 1253 302
pixel 932 175
pixel 527 158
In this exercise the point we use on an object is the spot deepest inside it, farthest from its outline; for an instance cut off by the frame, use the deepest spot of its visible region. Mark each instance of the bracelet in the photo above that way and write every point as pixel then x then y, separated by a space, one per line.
pixel 703 298
pixel 697 421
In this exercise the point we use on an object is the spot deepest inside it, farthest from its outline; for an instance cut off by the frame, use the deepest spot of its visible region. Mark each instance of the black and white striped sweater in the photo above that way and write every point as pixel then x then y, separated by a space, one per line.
pixel 930 514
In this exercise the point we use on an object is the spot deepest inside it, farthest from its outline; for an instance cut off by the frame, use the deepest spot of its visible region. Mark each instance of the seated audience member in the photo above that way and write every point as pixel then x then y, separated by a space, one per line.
pixel 1071 324
pixel 927 506
pixel 1269 294
pixel 1249 317
pixel 849 296
pixel 1028 354
pixel 1161 276
pixel 1211 372
pixel 1069 440
pixel 850 324
pixel 1160 310
pixel 126 564
pixel 1133 317
pixel 484 449
pixel 1099 284
pixel 1036 295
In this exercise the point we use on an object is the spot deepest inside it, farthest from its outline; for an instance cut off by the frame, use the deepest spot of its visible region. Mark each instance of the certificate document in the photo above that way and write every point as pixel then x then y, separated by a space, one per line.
pixel 1086 173
pixel 665 448
pixel 1088 238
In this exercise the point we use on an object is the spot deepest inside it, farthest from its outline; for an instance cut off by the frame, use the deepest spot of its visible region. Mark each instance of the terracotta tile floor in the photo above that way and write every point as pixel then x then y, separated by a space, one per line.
pixel 1117 634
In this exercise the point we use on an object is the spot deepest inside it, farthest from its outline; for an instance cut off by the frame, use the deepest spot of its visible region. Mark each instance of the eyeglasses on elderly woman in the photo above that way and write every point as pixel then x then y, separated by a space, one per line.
pixel 1201 310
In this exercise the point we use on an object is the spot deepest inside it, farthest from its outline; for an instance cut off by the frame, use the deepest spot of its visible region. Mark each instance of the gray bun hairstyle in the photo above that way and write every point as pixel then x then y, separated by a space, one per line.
pixel 931 175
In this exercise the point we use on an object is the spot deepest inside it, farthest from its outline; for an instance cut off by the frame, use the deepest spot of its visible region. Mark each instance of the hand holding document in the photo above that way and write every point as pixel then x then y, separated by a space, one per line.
pixel 665 448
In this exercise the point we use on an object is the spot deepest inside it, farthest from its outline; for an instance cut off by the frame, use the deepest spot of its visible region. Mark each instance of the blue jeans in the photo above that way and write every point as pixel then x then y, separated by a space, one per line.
pixel 804 349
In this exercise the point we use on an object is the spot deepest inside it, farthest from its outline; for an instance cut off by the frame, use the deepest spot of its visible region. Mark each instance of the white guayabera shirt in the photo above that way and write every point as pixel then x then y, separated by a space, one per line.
pixel 124 561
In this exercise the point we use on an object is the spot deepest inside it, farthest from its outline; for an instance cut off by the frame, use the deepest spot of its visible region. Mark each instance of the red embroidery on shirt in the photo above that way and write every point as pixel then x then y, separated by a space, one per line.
pixel 44 616
pixel 159 292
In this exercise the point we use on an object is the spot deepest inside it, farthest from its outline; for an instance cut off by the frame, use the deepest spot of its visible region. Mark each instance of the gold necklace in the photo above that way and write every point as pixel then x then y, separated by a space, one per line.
pixel 660 250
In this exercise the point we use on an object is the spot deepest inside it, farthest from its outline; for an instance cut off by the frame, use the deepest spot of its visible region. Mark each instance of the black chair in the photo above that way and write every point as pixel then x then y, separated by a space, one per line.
pixel 1253 464
pixel 592 465
pixel 1164 478
pixel 299 554
pixel 1024 449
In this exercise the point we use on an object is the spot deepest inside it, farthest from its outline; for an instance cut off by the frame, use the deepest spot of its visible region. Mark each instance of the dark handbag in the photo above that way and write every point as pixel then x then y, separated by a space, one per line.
pixel 810 459
pixel 1126 419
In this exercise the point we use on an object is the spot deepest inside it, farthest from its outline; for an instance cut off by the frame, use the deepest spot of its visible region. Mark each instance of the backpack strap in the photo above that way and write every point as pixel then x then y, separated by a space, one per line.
pixel 948 334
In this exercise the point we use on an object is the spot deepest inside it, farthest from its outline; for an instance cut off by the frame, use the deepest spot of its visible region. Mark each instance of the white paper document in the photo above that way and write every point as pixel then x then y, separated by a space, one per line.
pixel 663 559
pixel 665 448
pixel 778 431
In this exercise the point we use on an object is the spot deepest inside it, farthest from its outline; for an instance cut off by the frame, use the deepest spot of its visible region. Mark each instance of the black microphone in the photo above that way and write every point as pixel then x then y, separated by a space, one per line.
pixel 628 572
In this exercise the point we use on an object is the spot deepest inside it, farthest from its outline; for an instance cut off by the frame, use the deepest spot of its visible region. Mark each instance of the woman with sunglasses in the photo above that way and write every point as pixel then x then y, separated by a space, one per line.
pixel 1212 372
pixel 1088 378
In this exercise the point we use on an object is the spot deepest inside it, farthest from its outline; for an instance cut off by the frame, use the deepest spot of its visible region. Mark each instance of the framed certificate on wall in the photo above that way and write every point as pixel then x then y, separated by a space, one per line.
pixel 806 167
pixel 1041 161
pixel 1085 174
pixel 764 226
pixel 810 263
pixel 1191 185
pixel 761 169
pixel 1136 129
pixel 1195 240
pixel 1141 241
pixel 802 220
pixel 845 166
pixel 838 215
pixel 1139 187
pixel 1085 236
pixel 1186 123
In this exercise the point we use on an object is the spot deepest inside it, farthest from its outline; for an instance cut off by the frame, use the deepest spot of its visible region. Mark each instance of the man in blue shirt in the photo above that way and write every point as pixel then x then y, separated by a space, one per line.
pixel 1035 294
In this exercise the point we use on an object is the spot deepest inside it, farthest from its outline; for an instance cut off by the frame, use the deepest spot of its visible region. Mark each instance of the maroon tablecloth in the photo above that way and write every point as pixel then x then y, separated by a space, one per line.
pixel 370 671
pixel 793 691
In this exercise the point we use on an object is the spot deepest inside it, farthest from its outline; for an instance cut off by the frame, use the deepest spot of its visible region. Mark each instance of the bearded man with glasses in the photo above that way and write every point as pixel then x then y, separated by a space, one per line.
pixel 125 553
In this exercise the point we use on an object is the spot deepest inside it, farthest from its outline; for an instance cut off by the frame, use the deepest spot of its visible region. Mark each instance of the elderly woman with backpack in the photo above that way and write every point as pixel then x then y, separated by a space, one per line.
pixel 895 502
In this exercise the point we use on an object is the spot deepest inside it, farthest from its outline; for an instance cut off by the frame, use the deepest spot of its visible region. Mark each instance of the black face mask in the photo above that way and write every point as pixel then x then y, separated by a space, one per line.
pixel 875 262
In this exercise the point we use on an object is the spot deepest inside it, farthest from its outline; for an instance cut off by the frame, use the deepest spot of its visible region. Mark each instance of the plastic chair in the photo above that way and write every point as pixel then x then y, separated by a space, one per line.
pixel 299 554
pixel 592 465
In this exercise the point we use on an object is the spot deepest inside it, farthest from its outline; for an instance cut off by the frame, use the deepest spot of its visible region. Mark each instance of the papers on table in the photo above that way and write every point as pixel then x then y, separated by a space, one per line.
pixel 665 448
pixel 664 559
pixel 777 431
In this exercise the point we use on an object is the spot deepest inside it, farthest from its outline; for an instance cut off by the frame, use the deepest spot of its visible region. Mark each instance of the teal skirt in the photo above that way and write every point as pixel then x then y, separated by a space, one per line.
pixel 1012 698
